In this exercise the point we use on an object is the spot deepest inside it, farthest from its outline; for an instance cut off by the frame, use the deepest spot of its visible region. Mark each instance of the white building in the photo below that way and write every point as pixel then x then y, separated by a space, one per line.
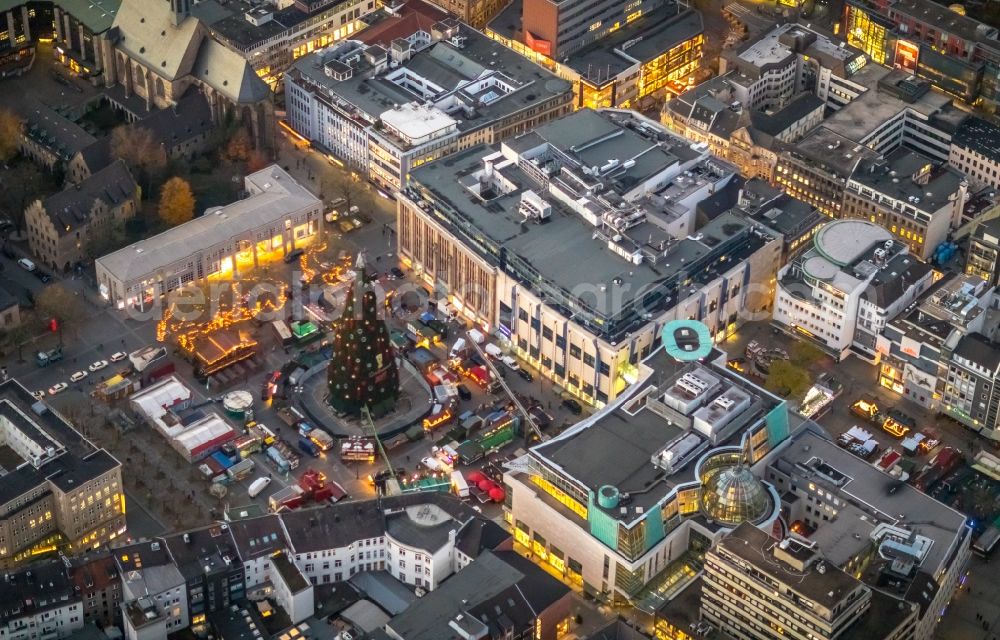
pixel 419 539
pixel 278 216
pixel 154 593
pixel 791 58
pixel 429 95
pixel 39 603
pixel 842 291
pixel 292 591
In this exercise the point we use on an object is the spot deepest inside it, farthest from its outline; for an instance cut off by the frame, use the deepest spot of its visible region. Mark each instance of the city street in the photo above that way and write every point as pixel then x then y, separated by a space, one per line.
pixel 104 331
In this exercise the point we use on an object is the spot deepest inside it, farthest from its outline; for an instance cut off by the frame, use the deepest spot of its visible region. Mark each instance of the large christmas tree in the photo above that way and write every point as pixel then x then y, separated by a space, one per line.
pixel 362 371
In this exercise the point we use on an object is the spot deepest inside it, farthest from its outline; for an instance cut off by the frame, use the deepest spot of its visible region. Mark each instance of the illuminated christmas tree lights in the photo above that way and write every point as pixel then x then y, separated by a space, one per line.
pixel 362 370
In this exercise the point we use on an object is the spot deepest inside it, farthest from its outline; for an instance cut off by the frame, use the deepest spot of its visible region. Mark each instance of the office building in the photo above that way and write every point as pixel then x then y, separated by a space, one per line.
pixel 969 391
pixel 756 586
pixel 429 95
pixel 270 36
pixel 278 216
pixel 894 109
pixel 903 542
pixel 610 185
pixel 841 292
pixel 983 255
pixel 917 200
pixel 772 69
pixel 914 348
pixel 644 61
pixel 955 52
pixel 975 151
pixel 58 491
pixel 817 168
pixel 67 228
pixel 795 221
pixel 419 539
pixel 625 504
pixel 557 28
pixel 717 113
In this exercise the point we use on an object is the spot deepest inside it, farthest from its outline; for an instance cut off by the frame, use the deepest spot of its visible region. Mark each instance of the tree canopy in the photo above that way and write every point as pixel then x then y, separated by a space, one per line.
pixel 176 201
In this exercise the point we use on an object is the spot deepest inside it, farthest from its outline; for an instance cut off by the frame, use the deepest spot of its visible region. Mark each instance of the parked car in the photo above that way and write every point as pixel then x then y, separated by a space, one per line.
pixel 41 275
pixel 397 272
pixel 26 264
pixel 38 394
pixel 463 392
pixel 574 407
pixel 78 376
pixel 97 366
pixel 57 387
pixel 524 373
pixel 293 255
pixel 119 355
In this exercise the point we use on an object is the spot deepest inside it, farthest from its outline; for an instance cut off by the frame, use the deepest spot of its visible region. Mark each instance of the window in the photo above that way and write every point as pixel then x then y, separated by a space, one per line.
pixel 522 315
pixel 588 359
pixel 604 369
pixel 561 342
pixel 574 351
pixel 547 333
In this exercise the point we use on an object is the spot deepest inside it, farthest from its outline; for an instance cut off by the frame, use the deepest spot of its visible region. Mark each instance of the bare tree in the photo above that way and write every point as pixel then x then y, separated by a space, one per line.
pixel 140 150
pixel 10 132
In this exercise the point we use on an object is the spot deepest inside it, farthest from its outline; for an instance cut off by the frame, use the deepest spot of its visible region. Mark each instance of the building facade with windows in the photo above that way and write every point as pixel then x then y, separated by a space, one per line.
pixel 969 393
pixel 841 292
pixel 630 499
pixel 277 217
pixel 610 185
pixel 975 151
pixel 916 199
pixel 983 257
pixel 914 347
pixel 65 494
pixel 428 96
pixel 67 228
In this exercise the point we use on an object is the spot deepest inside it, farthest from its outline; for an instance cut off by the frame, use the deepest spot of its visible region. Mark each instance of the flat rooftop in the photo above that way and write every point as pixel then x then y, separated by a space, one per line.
pixel 75 461
pixel 616 446
pixel 830 151
pixel 828 587
pixel 275 195
pixel 874 496
pixel 492 80
pixel 894 177
pixel 879 104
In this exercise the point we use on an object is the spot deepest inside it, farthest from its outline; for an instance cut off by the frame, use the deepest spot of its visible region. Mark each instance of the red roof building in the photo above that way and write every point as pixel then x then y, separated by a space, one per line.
pixel 407 19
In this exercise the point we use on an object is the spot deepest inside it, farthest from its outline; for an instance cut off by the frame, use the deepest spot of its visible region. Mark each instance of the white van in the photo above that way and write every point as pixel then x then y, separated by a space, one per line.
pixel 26 264
pixel 493 351
pixel 432 463
pixel 477 336
pixel 511 363
pixel 257 486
